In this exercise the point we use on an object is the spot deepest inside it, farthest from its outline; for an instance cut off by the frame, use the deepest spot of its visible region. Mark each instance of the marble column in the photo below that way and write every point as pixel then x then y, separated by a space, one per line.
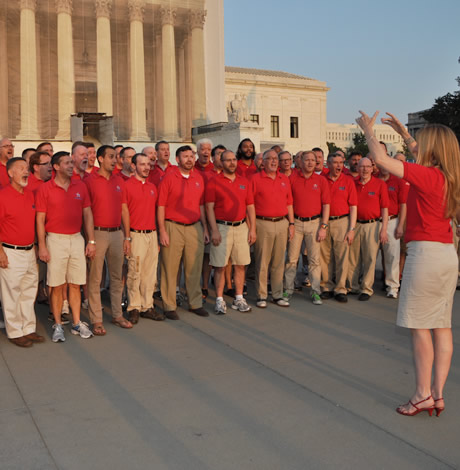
pixel 3 75
pixel 28 72
pixel 182 90
pixel 188 87
pixel 198 89
pixel 104 57
pixel 158 88
pixel 65 69
pixel 137 71
pixel 170 124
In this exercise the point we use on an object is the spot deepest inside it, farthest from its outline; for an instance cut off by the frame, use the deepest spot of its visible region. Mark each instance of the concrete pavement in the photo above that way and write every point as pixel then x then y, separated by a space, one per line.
pixel 308 387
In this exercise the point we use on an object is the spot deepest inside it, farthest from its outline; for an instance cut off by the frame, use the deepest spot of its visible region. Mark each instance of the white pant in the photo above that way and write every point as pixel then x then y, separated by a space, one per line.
pixel 18 284
pixel 391 251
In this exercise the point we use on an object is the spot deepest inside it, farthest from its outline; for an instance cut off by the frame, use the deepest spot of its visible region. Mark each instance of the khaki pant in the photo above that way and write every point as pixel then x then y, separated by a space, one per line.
pixel 142 271
pixel 18 285
pixel 109 245
pixel 304 231
pixel 270 250
pixel 391 251
pixel 363 252
pixel 186 241
pixel 334 257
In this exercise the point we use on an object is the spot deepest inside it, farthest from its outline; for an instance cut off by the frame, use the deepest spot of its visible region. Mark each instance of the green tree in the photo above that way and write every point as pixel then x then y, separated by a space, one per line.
pixel 331 147
pixel 359 145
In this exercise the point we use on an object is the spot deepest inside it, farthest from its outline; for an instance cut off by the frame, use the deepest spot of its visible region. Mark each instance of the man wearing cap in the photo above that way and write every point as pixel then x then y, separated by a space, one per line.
pixel 138 215
pixel 18 265
pixel 311 198
pixel 228 199
pixel 275 226
pixel 106 190
pixel 340 233
pixel 183 232
pixel 371 228
pixel 62 204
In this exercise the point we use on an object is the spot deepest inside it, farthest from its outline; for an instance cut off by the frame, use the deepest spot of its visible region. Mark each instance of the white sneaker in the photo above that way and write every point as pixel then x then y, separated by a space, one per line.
pixel 281 302
pixel 85 304
pixel 261 303
pixel 58 334
pixel 241 305
pixel 65 308
pixel 316 298
pixel 82 329
pixel 220 308
pixel 392 294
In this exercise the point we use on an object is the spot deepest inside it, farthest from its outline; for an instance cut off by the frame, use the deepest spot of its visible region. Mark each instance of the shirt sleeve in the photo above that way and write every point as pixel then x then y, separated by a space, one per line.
pixel 352 194
pixel 423 178
pixel 163 191
pixel 210 191
pixel 249 193
pixel 41 202
pixel 384 198
pixel 325 193
pixel 86 198
pixel 289 200
pixel 403 191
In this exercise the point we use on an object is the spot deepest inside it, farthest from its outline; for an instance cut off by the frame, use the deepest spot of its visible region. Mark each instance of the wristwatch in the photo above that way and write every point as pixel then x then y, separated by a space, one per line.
pixel 92 242
pixel 128 239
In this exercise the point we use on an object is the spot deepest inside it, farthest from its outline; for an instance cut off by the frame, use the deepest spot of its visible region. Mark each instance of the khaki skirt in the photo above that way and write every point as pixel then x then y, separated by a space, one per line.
pixel 428 286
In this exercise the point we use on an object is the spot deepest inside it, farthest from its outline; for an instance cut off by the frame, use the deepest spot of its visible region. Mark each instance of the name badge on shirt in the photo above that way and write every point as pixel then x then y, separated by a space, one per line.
pixel 242 186
pixel 78 196
pixel 391 188
pixel 118 188
pixel 315 186
pixel 341 188
pixel 371 193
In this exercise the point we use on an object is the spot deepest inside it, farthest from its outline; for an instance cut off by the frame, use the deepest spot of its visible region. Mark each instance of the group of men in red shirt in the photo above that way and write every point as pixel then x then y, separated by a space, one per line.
pixel 207 212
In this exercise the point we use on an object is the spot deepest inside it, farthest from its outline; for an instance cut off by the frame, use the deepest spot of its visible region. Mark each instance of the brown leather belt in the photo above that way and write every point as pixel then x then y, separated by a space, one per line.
pixel 271 219
pixel 370 221
pixel 141 231
pixel 107 229
pixel 233 224
pixel 307 219
pixel 336 217
pixel 391 217
pixel 18 247
pixel 181 223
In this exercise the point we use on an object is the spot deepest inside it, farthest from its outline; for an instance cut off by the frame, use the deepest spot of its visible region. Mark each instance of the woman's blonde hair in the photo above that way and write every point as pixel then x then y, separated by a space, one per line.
pixel 438 146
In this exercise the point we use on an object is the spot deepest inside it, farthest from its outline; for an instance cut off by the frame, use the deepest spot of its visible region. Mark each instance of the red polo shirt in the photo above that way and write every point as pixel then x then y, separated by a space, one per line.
pixel 63 209
pixel 4 179
pixel 343 194
pixel 242 168
pixel 397 193
pixel 157 174
pixel 77 177
pixel 208 176
pixel 230 198
pixel 105 195
pixel 372 198
pixel 17 216
pixel 271 196
pixel 141 199
pixel 204 169
pixel 116 170
pixel 182 197
pixel 426 205
pixel 123 176
pixel 309 194
pixel 33 183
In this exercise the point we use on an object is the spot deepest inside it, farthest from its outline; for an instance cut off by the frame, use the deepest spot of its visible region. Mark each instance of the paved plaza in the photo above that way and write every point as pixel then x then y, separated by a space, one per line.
pixel 309 387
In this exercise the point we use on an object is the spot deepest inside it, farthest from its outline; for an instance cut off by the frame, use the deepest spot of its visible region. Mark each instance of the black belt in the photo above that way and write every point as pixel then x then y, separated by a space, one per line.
pixel 368 221
pixel 391 217
pixel 107 229
pixel 336 217
pixel 271 219
pixel 18 247
pixel 307 219
pixel 141 231
pixel 233 224
pixel 181 223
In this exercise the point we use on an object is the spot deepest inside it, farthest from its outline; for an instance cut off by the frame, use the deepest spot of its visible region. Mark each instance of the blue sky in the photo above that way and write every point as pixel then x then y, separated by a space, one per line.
pixel 395 56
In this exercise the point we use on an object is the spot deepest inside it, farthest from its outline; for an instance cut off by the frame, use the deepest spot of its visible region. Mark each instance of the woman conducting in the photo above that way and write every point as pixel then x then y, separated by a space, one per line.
pixel 430 273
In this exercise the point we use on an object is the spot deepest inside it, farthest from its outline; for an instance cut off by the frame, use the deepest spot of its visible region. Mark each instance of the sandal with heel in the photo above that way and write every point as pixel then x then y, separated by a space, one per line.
pixel 438 409
pixel 417 410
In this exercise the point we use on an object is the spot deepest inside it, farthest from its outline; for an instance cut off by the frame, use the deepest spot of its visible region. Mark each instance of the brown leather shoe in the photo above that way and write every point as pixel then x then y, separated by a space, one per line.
pixel 201 312
pixel 133 316
pixel 22 342
pixel 172 315
pixel 35 338
pixel 152 314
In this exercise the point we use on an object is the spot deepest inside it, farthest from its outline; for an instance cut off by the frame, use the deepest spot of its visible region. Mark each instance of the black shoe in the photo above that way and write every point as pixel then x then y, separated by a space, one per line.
pixel 201 312
pixel 230 293
pixel 245 289
pixel 133 316
pixel 363 297
pixel 269 289
pixel 172 315
pixel 152 314
pixel 341 298
pixel 204 293
pixel 327 294
pixel 124 304
pixel 157 295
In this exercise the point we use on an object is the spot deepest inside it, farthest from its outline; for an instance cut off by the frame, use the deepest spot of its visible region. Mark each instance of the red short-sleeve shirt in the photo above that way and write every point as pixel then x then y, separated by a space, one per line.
pixel 4 178
pixel 271 196
pixel 397 193
pixel 105 197
pixel 372 198
pixel 309 194
pixel 157 174
pixel 230 198
pixel 181 196
pixel 17 216
pixel 426 205
pixel 343 194
pixel 63 209
pixel 141 200
pixel 242 169
pixel 33 183
pixel 204 169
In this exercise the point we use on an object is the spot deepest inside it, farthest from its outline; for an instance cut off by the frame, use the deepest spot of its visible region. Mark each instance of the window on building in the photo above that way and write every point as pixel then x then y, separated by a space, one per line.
pixel 275 126
pixel 254 118
pixel 294 127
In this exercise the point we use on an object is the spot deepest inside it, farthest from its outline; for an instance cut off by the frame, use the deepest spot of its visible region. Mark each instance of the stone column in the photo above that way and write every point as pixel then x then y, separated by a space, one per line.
pixel 137 71
pixel 182 90
pixel 28 71
pixel 188 88
pixel 65 69
pixel 198 91
pixel 158 88
pixel 170 125
pixel 104 57
pixel 3 75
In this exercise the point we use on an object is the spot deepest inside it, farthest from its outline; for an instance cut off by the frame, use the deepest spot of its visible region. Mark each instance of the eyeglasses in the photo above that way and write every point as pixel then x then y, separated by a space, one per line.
pixel 45 163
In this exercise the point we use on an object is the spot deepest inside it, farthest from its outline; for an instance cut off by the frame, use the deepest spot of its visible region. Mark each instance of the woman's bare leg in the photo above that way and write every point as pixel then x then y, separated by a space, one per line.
pixel 443 348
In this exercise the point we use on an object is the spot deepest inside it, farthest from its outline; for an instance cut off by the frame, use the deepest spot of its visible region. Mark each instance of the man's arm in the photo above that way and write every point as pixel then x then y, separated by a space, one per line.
pixel 384 228
pixel 291 222
pixel 216 237
pixel 399 231
pixel 125 221
pixel 88 223
pixel 204 224
pixel 43 252
pixel 350 235
pixel 322 231
pixel 251 213
pixel 164 238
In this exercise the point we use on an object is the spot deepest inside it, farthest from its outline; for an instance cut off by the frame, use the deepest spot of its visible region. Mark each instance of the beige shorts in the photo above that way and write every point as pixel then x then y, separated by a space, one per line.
pixel 67 259
pixel 234 246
